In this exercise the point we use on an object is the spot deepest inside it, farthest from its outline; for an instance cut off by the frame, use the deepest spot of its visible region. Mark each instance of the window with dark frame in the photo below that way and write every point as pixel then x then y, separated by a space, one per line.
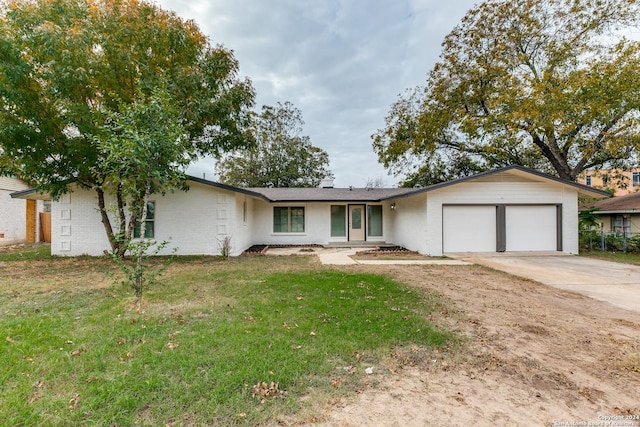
pixel 374 220
pixel 288 219
pixel 338 220
pixel 149 223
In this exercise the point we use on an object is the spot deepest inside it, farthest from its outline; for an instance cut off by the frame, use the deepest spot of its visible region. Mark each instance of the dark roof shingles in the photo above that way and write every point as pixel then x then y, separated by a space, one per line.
pixel 628 202
pixel 330 194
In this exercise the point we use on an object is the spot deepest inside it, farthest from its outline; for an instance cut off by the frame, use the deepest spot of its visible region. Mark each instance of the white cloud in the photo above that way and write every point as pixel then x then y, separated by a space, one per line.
pixel 341 62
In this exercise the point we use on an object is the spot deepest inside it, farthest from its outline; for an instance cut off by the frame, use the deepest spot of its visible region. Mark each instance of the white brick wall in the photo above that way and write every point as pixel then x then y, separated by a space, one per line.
pixel 317 225
pixel 409 222
pixel 195 222
pixel 526 192
pixel 13 212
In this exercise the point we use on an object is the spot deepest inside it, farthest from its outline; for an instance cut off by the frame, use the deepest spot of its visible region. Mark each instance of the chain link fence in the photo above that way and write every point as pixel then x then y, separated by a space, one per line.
pixel 597 240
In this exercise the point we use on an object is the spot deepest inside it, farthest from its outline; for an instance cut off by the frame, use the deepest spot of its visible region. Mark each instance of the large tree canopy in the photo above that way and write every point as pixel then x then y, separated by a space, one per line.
pixel 548 84
pixel 67 66
pixel 281 156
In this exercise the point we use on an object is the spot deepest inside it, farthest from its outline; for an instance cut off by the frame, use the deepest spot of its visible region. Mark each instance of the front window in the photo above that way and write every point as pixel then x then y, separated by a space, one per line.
pixel 636 179
pixel 289 219
pixel 374 220
pixel 589 181
pixel 338 221
pixel 149 223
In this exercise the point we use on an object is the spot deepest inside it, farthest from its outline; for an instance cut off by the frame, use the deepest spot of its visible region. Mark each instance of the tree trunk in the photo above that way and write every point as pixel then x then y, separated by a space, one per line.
pixel 558 162
pixel 106 221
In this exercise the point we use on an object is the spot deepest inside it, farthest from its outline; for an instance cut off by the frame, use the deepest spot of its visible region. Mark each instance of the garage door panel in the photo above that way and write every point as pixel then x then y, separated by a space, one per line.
pixel 469 228
pixel 531 228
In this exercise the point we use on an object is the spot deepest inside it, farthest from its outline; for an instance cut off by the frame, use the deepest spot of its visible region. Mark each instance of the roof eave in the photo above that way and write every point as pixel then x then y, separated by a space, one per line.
pixel 228 187
pixel 617 211
pixel 30 194
pixel 351 201
pixel 583 190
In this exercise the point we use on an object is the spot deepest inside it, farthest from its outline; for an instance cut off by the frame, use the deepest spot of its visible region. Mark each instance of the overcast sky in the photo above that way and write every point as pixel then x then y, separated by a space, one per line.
pixel 341 62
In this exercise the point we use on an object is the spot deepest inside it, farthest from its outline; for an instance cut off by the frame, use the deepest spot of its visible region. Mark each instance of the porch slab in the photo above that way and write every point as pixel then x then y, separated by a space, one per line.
pixel 342 256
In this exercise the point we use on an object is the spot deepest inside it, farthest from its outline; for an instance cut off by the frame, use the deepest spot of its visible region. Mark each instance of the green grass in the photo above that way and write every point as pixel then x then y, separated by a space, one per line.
pixel 623 257
pixel 73 352
pixel 29 252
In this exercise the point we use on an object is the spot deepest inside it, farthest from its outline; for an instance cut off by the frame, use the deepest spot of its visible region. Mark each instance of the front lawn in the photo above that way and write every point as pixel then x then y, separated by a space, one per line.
pixel 238 342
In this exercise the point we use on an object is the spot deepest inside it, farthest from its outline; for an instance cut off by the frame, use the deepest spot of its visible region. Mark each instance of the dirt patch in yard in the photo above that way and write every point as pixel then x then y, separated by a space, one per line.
pixel 392 254
pixel 533 355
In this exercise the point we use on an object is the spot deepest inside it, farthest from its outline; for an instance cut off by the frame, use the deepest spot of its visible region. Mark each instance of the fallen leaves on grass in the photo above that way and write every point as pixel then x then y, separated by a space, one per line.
pixel 263 390
pixel 129 355
pixel 73 402
pixel 350 369
pixel 37 394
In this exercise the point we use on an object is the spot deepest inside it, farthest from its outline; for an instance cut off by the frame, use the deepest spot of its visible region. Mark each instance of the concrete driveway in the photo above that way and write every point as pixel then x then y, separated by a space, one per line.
pixel 616 283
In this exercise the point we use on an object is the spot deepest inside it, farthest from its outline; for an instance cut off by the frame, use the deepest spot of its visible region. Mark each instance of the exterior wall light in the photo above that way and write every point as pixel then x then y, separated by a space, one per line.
pixel 393 206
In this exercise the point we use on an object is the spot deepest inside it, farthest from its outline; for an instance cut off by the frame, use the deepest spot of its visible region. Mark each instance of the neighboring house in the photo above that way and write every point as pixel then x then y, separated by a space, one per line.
pixel 20 220
pixel 618 214
pixel 619 181
pixel 509 209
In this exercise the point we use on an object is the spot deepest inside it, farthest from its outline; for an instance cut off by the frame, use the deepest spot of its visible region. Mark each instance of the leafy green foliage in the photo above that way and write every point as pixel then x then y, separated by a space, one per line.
pixel 68 68
pixel 546 84
pixel 143 147
pixel 615 256
pixel 438 170
pixel 281 156
pixel 139 273
pixel 588 219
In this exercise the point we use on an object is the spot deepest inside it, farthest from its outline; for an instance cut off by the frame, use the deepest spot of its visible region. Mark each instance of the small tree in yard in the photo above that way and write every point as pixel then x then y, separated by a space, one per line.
pixel 225 247
pixel 141 146
pixel 139 273
pixel 142 150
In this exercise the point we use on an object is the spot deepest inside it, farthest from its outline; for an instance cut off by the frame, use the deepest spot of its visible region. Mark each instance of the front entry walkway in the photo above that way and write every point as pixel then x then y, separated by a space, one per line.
pixel 342 256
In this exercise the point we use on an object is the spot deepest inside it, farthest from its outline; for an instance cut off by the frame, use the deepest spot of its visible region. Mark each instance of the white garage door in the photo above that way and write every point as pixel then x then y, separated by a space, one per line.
pixel 469 228
pixel 531 228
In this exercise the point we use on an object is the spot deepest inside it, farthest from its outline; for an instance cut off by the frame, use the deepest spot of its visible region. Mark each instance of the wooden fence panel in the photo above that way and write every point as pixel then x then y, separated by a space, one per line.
pixel 45 227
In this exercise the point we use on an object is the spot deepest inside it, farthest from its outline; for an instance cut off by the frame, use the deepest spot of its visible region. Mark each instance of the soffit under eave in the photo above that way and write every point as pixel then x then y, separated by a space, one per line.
pixel 30 194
